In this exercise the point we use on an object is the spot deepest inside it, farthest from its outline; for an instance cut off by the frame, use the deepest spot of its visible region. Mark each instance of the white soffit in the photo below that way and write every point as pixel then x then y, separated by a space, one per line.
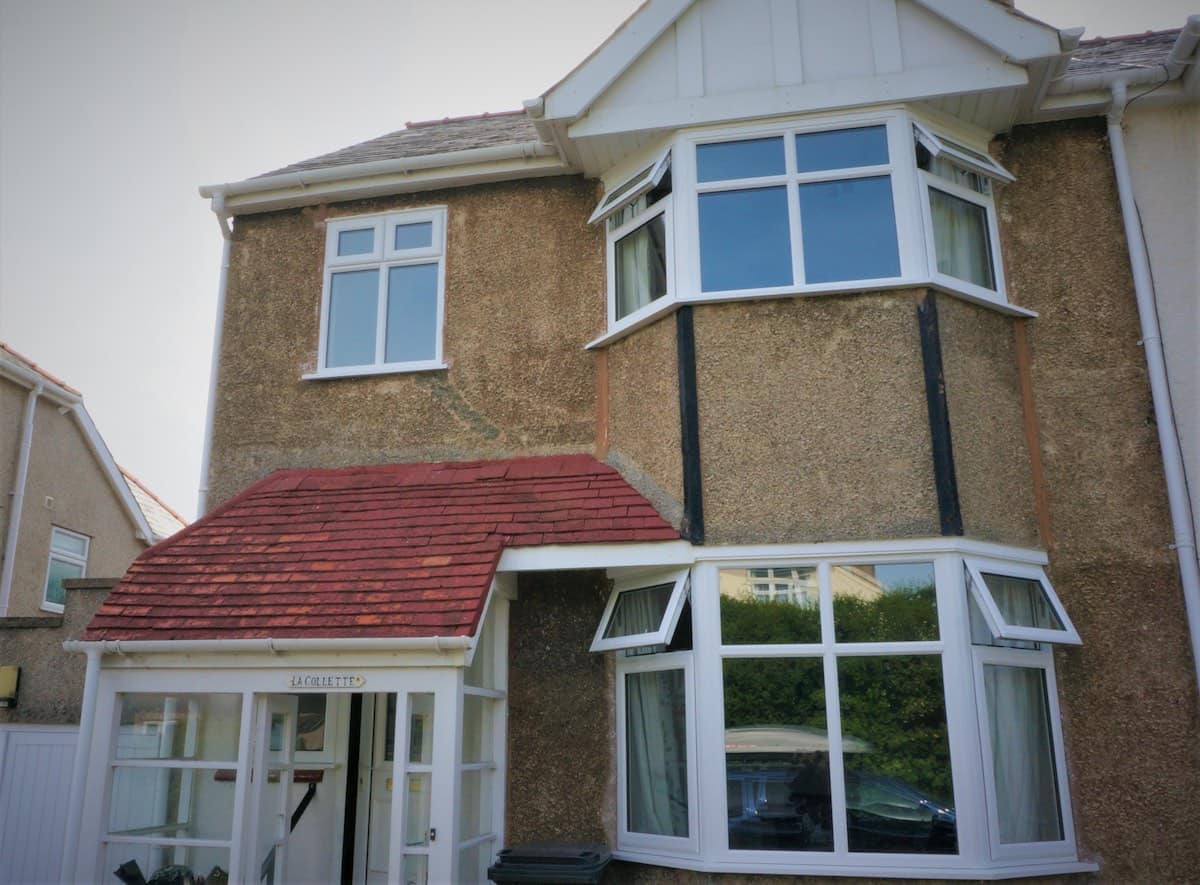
pixel 726 60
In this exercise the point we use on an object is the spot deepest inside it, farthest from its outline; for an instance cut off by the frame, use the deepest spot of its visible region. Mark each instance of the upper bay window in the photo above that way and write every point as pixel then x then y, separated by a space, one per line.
pixel 384 294
pixel 846 203
pixel 68 559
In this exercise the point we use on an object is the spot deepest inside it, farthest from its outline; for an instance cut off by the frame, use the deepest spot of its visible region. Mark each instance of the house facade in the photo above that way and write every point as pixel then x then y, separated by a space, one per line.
pixel 72 522
pixel 745 456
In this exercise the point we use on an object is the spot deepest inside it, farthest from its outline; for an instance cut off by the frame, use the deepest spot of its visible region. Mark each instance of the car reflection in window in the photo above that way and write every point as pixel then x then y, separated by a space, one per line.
pixel 778 793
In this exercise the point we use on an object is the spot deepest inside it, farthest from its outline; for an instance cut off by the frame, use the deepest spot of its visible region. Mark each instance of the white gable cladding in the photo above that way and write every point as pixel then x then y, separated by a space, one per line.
pixel 725 60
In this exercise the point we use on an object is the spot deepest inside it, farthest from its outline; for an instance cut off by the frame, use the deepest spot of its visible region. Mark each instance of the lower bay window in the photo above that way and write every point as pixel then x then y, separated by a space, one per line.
pixel 853 715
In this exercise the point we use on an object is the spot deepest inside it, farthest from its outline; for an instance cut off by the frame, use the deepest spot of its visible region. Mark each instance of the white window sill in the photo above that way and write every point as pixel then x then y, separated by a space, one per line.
pixel 359 371
pixel 52 608
pixel 670 305
pixel 874 867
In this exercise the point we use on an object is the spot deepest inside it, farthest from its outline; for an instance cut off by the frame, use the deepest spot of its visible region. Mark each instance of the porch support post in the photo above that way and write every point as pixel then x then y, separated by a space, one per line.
pixel 87 721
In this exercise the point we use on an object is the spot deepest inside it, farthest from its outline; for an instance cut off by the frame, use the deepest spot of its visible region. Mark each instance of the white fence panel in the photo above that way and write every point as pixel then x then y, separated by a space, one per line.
pixel 35 781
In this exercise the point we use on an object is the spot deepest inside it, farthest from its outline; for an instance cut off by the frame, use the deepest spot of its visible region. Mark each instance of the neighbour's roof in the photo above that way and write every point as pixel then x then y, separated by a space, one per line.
pixel 425 138
pixel 401 550
pixel 1107 54
pixel 163 520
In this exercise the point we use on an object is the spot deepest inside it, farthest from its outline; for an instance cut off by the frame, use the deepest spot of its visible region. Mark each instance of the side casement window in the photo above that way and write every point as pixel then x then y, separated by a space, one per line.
pixel 68 559
pixel 383 305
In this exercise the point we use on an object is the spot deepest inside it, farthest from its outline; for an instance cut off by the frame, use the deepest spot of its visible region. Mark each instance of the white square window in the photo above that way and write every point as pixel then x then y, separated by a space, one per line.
pixel 68 560
pixel 383 305
pixel 1019 604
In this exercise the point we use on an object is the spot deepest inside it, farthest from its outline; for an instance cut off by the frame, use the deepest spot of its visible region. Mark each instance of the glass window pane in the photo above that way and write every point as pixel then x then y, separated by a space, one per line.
pixel 745 241
pixel 639 611
pixel 960 237
pixel 777 755
pixel 1022 602
pixel 899 791
pixel 72 545
pixel 420 728
pixel 180 726
pixel 416 235
pixel 356 242
pixel 783 611
pixel 417 798
pixel 353 304
pixel 656 752
pixel 172 803
pixel 841 149
pixel 641 266
pixel 412 313
pixel 1026 780
pixel 58 572
pixel 475 808
pixel 211 863
pixel 416 869
pixel 849 230
pixel 752 158
pixel 310 724
pixel 477 729
pixel 884 602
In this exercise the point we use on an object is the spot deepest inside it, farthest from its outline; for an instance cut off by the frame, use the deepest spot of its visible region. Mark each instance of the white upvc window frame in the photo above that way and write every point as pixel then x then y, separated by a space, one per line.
pixel 656 845
pixel 1000 627
pixel 382 257
pixel 1041 660
pixel 980 855
pixel 670 618
pixel 64 556
pixel 899 168
pixel 632 188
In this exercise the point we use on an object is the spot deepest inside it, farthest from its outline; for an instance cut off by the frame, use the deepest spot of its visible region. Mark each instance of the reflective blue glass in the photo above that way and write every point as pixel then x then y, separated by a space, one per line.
pixel 412 313
pixel 353 302
pixel 356 242
pixel 418 235
pixel 752 158
pixel 849 230
pixel 744 240
pixel 842 149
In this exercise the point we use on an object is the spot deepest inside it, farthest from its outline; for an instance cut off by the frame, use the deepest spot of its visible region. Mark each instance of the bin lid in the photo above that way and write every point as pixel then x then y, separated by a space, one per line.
pixel 567 855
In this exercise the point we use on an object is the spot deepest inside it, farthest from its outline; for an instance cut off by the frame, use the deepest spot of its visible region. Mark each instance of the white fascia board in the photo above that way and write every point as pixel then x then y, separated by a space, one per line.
pixel 571 96
pixel 29 379
pixel 875 549
pixel 565 557
pixel 804 98
pixel 115 478
pixel 1018 38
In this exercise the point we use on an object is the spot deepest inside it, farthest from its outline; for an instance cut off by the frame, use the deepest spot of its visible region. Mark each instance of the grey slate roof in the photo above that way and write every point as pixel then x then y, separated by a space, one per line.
pixel 1107 54
pixel 163 521
pixel 423 139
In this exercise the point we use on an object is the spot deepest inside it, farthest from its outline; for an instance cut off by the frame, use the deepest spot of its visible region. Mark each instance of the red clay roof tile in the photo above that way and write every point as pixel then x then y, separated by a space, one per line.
pixel 400 550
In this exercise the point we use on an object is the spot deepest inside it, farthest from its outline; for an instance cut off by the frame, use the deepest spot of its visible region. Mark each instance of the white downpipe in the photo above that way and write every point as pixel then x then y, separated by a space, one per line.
pixel 1168 439
pixel 87 722
pixel 17 501
pixel 218 207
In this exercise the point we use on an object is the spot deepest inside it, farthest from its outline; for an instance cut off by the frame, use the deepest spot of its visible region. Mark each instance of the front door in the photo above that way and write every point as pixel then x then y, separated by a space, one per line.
pixel 396 725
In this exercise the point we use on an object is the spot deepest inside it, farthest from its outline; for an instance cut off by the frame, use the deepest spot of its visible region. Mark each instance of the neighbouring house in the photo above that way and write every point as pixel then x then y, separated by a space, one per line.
pixel 754 455
pixel 73 522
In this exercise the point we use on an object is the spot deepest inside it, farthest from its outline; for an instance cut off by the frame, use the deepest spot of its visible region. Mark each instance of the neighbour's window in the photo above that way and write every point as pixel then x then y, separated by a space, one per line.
pixel 384 293
pixel 68 559
pixel 847 709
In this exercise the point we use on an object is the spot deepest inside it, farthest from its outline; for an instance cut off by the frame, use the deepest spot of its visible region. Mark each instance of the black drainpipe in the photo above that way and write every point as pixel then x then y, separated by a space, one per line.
pixel 944 477
pixel 692 527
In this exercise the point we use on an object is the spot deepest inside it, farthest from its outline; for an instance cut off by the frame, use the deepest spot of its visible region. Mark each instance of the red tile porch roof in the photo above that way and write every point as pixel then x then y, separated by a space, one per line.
pixel 402 550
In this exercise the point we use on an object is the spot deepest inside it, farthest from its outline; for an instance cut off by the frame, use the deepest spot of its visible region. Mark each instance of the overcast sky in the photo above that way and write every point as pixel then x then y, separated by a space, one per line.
pixel 113 112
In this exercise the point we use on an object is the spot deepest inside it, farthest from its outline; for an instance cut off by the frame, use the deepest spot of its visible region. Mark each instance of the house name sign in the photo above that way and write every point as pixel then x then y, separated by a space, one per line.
pixel 326 680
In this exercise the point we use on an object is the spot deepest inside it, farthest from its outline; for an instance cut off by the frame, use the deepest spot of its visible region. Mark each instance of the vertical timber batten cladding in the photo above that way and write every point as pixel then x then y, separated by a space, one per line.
pixel 405 550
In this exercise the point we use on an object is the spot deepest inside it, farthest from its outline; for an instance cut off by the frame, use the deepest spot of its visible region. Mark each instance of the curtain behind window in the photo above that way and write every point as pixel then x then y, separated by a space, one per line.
pixel 656 752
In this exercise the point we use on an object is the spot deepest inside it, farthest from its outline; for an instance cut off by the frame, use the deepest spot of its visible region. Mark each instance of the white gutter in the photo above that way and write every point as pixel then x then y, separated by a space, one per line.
pixel 87 721
pixel 1164 415
pixel 218 207
pixel 17 499
pixel 439 644
pixel 1177 62
pixel 399 166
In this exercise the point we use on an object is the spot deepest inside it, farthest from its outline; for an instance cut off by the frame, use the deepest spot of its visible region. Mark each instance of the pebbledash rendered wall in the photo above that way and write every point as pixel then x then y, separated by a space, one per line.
pixel 814 426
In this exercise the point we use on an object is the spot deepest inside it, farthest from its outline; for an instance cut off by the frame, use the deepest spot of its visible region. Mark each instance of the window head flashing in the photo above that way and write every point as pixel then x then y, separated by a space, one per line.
pixel 631 188
pixel 666 622
pixel 976 161
pixel 1001 626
